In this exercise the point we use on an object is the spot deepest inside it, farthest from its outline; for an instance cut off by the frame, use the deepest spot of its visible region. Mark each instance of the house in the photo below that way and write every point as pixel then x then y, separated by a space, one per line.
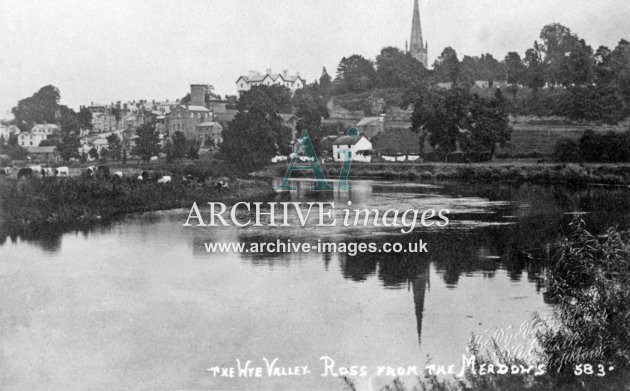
pixel 292 82
pixel 30 139
pixel 371 126
pixel 6 131
pixel 44 154
pixel 209 133
pixel 360 148
pixel 103 122
pixel 45 129
pixel 185 118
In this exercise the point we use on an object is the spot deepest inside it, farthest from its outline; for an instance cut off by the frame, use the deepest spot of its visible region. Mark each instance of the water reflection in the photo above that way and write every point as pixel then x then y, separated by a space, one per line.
pixel 143 298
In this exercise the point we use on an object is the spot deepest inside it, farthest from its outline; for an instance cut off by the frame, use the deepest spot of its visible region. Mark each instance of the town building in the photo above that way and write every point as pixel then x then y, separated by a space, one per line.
pixel 104 122
pixel 38 133
pixel 371 126
pixel 44 154
pixel 360 148
pixel 292 82
pixel 185 118
pixel 418 48
pixel 6 131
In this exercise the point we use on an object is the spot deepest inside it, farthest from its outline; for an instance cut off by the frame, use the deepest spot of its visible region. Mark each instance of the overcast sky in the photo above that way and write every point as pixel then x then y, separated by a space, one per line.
pixel 105 51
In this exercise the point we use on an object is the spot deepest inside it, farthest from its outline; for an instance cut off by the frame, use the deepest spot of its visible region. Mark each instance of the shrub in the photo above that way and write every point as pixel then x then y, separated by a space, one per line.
pixel 590 284
pixel 566 150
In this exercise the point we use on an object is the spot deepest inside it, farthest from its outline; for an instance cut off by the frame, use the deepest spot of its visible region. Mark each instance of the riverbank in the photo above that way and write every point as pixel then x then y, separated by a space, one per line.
pixel 544 173
pixel 32 206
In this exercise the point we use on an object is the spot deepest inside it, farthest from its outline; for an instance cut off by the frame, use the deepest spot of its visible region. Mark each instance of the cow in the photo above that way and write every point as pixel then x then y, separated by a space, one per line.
pixel 5 171
pixel 25 173
pixel 47 171
pixel 36 169
pixel 102 172
pixel 63 171
pixel 90 171
pixel 118 175
pixel 164 179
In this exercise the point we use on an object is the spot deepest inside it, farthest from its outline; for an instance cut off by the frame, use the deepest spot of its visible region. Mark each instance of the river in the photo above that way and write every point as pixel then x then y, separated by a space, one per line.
pixel 140 304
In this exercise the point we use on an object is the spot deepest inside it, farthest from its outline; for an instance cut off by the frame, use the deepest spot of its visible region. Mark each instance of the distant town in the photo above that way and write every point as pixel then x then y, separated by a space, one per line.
pixel 477 108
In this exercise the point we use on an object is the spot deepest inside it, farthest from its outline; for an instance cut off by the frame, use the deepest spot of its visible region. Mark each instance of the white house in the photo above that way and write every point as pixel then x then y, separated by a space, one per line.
pixel 7 131
pixel 45 129
pixel 360 148
pixel 30 139
pixel 292 82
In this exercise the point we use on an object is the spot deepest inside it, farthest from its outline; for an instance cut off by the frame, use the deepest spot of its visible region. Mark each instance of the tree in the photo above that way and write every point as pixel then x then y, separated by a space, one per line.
pixel 180 145
pixel 193 150
pixel 85 118
pixel 488 124
pixel 114 145
pixel 93 153
pixel 325 82
pixel 534 76
pixel 397 69
pixel 446 67
pixel 68 146
pixel 40 108
pixel 514 69
pixel 309 111
pixel 147 143
pixel 257 132
pixel 438 115
pixel 265 99
pixel 355 74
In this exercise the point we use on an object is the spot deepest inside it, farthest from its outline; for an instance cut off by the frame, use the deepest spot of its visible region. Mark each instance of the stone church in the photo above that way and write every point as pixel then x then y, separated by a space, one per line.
pixel 417 47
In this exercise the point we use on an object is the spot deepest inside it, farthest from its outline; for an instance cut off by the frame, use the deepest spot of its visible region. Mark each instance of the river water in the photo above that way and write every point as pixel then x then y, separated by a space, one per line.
pixel 140 304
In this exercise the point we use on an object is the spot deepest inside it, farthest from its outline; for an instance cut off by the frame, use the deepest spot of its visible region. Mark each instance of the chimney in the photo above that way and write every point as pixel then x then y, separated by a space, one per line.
pixel 268 71
pixel 285 73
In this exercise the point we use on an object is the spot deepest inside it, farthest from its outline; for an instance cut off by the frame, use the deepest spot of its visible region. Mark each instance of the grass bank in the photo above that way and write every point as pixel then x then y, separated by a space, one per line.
pixel 480 172
pixel 31 206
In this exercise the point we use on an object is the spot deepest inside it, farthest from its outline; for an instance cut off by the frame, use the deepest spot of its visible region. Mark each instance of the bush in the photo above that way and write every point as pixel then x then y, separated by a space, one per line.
pixel 566 150
pixel 590 285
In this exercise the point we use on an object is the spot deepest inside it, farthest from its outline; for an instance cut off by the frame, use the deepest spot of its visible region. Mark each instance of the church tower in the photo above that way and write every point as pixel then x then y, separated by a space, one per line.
pixel 417 47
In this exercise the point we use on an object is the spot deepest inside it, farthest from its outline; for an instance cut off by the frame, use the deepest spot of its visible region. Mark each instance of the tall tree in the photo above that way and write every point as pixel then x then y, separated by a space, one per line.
pixel 37 109
pixel 68 146
pixel 534 68
pixel 85 118
pixel 257 133
pixel 147 143
pixel 180 145
pixel 397 69
pixel 488 123
pixel 446 67
pixel 114 146
pixel 438 116
pixel 325 82
pixel 355 74
pixel 514 69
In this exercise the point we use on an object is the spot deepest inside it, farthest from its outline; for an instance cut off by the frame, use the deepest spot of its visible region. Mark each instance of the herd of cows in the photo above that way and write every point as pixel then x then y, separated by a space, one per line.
pixel 99 172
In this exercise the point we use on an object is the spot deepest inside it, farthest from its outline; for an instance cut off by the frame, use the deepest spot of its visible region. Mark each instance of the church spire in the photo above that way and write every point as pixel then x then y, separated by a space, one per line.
pixel 417 47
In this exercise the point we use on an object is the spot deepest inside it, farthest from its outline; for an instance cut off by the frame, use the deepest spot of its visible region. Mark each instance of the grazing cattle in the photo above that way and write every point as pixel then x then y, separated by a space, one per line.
pixel 164 179
pixel 47 171
pixel 145 175
pixel 102 172
pixel 118 175
pixel 90 171
pixel 63 171
pixel 5 171
pixel 140 177
pixel 221 184
pixel 25 173
pixel 36 169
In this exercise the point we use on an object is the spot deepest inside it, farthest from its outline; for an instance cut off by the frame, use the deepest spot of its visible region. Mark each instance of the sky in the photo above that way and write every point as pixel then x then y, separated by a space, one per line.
pixel 105 51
